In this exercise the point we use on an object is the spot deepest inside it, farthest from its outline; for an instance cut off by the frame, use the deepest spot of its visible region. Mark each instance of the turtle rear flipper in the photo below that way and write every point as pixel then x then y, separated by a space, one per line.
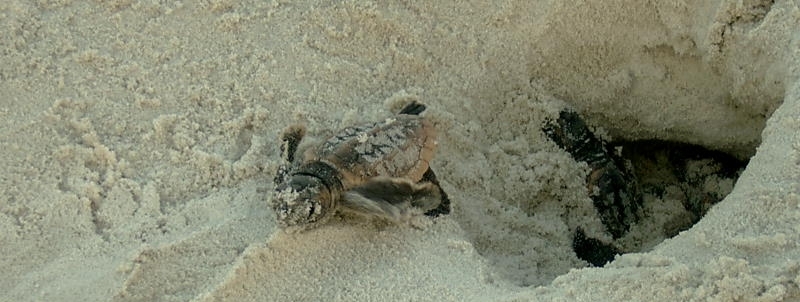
pixel 391 198
pixel 413 108
pixel 592 250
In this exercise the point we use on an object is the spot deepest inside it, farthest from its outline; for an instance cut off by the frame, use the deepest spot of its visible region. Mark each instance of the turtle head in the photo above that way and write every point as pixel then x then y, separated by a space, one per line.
pixel 302 201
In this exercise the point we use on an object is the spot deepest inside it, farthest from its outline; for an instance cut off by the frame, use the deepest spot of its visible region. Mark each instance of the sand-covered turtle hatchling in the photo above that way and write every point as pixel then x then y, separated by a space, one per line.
pixel 376 169
pixel 612 187
pixel 619 179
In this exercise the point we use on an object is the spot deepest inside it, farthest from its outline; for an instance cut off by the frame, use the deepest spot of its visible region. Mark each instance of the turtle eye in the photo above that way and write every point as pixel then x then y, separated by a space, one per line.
pixel 312 209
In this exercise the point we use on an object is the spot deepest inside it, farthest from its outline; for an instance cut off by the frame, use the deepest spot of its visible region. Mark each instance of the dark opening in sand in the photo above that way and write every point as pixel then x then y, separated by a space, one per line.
pixel 676 183
pixel 672 171
pixel 630 184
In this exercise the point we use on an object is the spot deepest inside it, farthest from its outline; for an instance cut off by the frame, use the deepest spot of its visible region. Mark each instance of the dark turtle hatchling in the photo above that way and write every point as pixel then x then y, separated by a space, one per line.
pixel 612 187
pixel 617 181
pixel 377 169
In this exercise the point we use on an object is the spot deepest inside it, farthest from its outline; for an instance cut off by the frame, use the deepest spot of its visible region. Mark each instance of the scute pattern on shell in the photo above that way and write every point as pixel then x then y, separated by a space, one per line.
pixel 397 147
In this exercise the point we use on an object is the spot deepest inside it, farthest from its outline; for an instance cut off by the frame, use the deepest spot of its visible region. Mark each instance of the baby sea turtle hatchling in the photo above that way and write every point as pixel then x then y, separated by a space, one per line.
pixel 376 169
pixel 612 187
pixel 622 173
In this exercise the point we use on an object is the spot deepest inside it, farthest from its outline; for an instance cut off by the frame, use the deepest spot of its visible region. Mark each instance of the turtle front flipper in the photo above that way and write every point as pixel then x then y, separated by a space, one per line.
pixel 290 139
pixel 391 198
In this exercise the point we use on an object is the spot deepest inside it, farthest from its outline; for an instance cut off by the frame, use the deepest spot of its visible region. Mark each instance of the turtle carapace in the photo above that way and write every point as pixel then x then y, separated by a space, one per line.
pixel 378 169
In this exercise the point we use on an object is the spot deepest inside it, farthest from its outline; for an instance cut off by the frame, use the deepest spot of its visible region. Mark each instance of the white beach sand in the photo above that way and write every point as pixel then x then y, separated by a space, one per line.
pixel 140 144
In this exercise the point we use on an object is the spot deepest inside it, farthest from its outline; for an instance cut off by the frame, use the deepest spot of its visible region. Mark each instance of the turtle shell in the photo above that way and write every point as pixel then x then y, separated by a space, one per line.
pixel 401 146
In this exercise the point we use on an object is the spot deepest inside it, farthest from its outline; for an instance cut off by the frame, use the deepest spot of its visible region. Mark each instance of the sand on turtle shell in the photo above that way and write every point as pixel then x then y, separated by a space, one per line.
pixel 140 144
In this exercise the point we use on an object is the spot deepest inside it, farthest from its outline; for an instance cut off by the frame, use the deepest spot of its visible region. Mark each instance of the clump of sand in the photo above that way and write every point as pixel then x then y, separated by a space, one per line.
pixel 139 142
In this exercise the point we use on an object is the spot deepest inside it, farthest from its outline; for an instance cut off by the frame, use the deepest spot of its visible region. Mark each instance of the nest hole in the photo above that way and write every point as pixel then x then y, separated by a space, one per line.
pixel 679 183
pixel 641 188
